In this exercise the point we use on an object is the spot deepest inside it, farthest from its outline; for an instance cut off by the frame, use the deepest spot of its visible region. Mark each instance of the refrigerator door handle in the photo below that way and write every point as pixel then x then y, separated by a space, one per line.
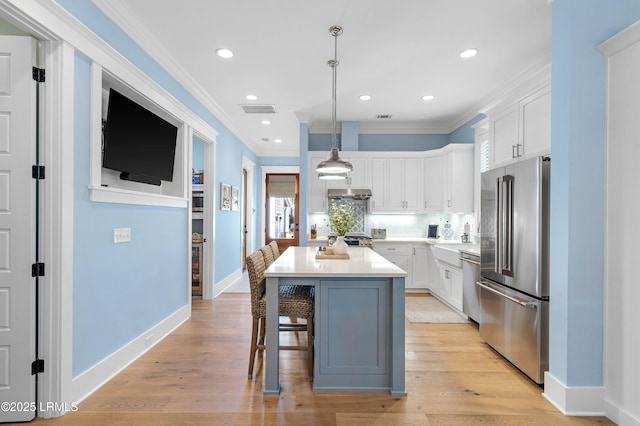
pixel 498 225
pixel 528 305
pixel 506 264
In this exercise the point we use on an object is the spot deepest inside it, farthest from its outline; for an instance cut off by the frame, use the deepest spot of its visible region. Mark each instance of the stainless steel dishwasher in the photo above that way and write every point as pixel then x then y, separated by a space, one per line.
pixel 470 275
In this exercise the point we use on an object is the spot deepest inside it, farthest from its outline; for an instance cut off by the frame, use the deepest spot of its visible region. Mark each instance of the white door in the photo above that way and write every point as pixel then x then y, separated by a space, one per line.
pixel 17 228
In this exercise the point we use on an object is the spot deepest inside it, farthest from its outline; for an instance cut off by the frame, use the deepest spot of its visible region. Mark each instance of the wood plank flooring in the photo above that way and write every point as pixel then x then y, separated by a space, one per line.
pixel 198 375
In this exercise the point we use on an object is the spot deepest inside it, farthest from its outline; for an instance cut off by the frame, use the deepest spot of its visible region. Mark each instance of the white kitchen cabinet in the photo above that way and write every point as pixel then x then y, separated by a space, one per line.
pixel 419 272
pixel 434 283
pixel 317 196
pixel 522 129
pixel 379 185
pixel 458 172
pixel 451 279
pixel 398 254
pixel 433 184
pixel 405 189
pixel 359 178
pixel 535 124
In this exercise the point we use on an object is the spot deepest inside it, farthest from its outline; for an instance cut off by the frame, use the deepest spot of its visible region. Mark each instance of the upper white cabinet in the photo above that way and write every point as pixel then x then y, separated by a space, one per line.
pixel 317 196
pixel 521 129
pixel 439 180
pixel 405 190
pixel 433 184
pixel 458 172
pixel 535 124
pixel 379 185
pixel 359 178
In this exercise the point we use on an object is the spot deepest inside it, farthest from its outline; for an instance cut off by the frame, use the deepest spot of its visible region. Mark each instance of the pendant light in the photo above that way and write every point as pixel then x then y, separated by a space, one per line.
pixel 334 168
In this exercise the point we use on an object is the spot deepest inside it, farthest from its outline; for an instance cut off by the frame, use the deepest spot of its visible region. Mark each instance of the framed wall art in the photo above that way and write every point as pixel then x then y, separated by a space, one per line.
pixel 234 198
pixel 225 196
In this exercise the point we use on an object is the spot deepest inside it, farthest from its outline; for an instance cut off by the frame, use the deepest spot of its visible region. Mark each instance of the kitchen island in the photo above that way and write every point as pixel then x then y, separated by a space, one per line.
pixel 359 320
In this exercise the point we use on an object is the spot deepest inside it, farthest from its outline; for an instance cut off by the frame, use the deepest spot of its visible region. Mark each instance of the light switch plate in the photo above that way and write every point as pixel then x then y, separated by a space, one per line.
pixel 121 235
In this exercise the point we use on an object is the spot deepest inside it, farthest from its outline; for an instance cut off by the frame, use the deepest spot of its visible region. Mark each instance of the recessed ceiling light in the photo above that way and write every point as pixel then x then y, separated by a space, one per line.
pixel 428 97
pixel 265 122
pixel 224 53
pixel 468 53
pixel 251 97
pixel 365 97
pixel 277 140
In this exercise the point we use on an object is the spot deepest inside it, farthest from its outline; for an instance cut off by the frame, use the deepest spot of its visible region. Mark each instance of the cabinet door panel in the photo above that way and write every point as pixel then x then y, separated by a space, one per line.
pixel 536 124
pixel 396 179
pixel 317 196
pixel 433 184
pixel 504 129
pixel 412 184
pixel 379 189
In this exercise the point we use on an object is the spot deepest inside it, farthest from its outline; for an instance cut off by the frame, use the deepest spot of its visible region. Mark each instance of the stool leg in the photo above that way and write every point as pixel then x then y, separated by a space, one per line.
pixel 263 322
pixel 252 351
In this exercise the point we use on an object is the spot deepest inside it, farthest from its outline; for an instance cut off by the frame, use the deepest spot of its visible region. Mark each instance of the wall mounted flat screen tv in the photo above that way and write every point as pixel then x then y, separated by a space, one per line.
pixel 138 143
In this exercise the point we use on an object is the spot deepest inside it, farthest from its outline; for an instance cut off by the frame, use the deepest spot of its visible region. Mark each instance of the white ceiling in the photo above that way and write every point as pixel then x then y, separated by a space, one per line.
pixel 394 51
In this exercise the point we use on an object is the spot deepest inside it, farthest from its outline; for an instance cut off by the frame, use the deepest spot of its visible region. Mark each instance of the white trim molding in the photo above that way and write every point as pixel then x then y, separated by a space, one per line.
pixel 92 379
pixel 226 282
pixel 574 400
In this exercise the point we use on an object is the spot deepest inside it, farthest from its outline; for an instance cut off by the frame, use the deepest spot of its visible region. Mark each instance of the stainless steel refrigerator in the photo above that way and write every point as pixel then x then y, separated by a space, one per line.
pixel 514 273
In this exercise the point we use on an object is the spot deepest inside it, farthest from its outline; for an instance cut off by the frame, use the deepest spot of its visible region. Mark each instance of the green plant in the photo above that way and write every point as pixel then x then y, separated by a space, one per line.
pixel 341 219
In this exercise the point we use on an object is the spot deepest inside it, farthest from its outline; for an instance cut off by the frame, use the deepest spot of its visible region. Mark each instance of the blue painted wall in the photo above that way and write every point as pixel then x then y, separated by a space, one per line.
pixel 119 290
pixel 578 178
pixel 122 290
pixel 398 142
pixel 198 155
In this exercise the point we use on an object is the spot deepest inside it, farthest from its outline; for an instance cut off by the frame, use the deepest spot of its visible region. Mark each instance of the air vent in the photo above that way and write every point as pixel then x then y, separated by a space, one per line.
pixel 259 109
pixel 264 139
pixel 383 116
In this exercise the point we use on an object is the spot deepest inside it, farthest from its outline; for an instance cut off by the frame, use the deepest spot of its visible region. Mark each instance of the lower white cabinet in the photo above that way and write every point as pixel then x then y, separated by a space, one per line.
pixel 451 285
pixel 410 257
pixel 444 280
pixel 419 272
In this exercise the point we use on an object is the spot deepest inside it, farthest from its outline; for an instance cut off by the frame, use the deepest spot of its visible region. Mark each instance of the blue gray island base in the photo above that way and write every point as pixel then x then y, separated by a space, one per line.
pixel 359 334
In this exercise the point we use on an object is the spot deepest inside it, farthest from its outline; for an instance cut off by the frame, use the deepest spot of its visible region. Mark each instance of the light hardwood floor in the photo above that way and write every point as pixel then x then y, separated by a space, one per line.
pixel 198 375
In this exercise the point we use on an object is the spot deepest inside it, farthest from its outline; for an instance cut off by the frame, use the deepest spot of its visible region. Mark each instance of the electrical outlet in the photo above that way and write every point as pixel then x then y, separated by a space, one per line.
pixel 121 235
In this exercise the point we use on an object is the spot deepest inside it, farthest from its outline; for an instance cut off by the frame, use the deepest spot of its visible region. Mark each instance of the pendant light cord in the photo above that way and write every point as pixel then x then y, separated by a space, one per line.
pixel 335 31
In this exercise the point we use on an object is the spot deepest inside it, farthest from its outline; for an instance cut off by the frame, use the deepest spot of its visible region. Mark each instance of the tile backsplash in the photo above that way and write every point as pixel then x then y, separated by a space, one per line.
pixel 400 225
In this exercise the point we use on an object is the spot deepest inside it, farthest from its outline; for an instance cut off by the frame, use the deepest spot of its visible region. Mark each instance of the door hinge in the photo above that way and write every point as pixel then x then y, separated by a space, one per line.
pixel 37 366
pixel 38 74
pixel 37 270
pixel 37 172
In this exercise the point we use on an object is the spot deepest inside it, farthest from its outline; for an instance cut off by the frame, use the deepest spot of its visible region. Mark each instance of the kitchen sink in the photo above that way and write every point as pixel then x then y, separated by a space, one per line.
pixel 449 253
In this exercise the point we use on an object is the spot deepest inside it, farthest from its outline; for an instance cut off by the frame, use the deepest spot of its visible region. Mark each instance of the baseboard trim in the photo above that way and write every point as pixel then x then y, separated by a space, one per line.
pixel 574 400
pixel 620 416
pixel 95 377
pixel 227 282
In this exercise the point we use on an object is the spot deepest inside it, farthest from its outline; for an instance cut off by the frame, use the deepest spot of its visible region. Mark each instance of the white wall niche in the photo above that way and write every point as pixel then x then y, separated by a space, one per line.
pixel 105 184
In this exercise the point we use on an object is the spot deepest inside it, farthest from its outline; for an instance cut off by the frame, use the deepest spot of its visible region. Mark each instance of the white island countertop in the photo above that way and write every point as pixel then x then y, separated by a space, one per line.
pixel 302 262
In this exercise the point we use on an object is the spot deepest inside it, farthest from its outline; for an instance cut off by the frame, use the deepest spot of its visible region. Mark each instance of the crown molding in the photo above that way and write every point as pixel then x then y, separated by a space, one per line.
pixel 621 40
pixel 120 13
pixel 529 80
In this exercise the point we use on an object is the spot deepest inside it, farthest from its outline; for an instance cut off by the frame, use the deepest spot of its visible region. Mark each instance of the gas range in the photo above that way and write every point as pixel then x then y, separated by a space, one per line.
pixel 354 240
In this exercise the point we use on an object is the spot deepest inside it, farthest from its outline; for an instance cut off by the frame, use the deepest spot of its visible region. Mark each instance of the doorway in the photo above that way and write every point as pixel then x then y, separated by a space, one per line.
pixel 282 209
pixel 243 244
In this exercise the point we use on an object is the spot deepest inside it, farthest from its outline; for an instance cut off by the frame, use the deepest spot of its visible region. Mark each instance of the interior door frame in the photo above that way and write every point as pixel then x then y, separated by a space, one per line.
pixel 275 170
pixel 249 167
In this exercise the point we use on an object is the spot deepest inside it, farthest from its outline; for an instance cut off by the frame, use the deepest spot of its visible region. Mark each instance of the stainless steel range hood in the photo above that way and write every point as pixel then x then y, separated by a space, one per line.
pixel 356 194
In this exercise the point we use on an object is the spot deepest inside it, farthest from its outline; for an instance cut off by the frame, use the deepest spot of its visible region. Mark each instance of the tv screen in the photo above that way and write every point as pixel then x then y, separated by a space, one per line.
pixel 137 142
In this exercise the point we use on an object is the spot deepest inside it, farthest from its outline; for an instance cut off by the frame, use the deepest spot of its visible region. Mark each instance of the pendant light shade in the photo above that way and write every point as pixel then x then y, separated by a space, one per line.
pixel 334 168
pixel 334 164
